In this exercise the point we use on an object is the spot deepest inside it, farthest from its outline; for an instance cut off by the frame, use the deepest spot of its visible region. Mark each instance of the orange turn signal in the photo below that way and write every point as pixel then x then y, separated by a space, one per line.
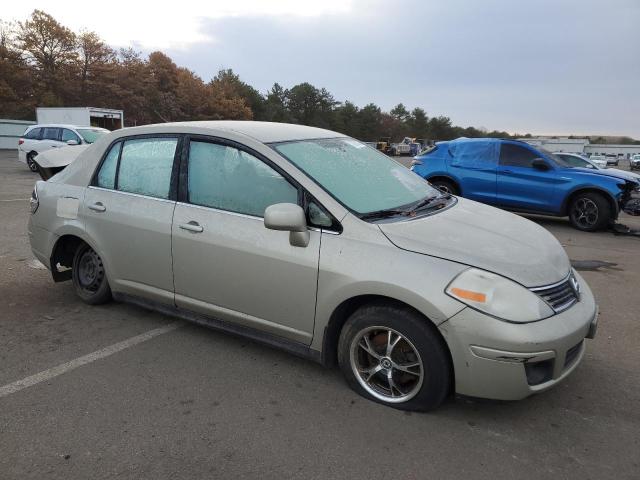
pixel 469 295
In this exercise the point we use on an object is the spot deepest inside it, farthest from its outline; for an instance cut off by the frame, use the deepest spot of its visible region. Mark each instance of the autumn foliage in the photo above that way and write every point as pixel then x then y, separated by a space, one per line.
pixel 43 63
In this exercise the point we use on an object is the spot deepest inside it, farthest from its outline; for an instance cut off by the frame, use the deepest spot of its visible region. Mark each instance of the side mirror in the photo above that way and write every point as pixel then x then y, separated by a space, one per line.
pixel 540 164
pixel 72 142
pixel 290 218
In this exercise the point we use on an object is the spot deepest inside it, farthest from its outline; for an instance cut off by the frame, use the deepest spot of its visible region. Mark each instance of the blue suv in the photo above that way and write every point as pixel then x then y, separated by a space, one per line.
pixel 516 176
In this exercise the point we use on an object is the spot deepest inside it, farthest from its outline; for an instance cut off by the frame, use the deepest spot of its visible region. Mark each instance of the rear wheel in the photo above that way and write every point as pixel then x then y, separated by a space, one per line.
pixel 445 186
pixel 30 163
pixel 89 276
pixel 395 357
pixel 590 211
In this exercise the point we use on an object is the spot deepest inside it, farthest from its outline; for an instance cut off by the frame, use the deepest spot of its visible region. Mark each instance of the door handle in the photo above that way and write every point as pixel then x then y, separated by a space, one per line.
pixel 192 226
pixel 506 172
pixel 97 207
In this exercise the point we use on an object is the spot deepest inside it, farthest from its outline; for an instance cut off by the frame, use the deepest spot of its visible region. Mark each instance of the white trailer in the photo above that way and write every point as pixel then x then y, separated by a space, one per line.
pixel 81 116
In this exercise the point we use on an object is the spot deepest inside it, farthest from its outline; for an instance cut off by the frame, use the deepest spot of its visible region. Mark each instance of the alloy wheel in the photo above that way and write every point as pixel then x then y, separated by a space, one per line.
pixel 585 212
pixel 386 364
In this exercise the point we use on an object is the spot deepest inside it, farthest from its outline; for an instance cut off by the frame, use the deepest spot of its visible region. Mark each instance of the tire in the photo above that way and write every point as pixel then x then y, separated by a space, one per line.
pixel 590 211
pixel 89 277
pixel 446 186
pixel 30 163
pixel 425 380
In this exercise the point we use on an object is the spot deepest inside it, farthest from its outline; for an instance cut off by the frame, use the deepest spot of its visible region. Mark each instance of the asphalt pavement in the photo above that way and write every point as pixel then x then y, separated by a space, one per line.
pixel 119 391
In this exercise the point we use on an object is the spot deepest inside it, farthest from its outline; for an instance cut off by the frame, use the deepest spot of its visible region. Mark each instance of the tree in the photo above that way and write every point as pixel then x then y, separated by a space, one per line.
pixel 252 98
pixel 310 106
pixel 418 123
pixel 370 117
pixel 400 112
pixel 276 105
pixel 346 120
pixel 94 59
pixel 440 128
pixel 161 91
pixel 224 100
pixel 16 82
pixel 51 48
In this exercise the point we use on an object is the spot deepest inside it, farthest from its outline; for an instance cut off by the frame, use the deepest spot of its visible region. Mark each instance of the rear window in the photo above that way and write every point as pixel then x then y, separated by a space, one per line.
pixel 33 134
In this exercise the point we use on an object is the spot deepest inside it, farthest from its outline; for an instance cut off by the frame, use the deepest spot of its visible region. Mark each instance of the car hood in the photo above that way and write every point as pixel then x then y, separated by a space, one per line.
pixel 60 157
pixel 485 237
pixel 610 172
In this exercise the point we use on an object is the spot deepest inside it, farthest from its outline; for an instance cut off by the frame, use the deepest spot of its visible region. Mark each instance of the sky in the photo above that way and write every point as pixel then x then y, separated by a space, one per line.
pixel 538 66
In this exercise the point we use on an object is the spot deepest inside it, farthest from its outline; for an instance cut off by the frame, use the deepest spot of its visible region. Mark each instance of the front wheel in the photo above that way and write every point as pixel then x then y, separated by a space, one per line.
pixel 395 357
pixel 89 276
pixel 446 186
pixel 589 211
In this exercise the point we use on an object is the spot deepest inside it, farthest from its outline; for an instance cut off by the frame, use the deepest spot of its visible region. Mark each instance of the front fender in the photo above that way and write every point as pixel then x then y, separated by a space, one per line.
pixel 351 267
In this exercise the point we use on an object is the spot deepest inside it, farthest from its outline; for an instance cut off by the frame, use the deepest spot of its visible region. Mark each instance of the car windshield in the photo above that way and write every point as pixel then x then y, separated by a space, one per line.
pixel 556 158
pixel 362 179
pixel 576 161
pixel 90 135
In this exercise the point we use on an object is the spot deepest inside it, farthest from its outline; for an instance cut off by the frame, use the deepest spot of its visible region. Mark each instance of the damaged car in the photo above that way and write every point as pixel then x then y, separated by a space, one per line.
pixel 516 176
pixel 309 240
pixel 38 139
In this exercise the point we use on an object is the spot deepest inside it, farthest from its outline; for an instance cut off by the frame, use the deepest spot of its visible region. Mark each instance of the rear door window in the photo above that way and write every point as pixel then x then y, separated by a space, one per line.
pixel 107 174
pixel 516 156
pixel 145 166
pixel 478 154
pixel 51 134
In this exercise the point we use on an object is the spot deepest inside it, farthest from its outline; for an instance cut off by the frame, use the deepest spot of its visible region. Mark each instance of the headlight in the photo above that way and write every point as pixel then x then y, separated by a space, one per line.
pixel 34 203
pixel 498 296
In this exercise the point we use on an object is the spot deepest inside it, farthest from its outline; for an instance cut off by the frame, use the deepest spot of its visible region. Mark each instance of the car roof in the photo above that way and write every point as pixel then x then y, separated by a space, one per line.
pixel 487 140
pixel 62 125
pixel 264 132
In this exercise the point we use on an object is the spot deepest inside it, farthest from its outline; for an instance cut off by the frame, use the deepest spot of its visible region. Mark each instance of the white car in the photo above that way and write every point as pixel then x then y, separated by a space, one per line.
pixel 634 163
pixel 40 138
pixel 598 160
pixel 575 160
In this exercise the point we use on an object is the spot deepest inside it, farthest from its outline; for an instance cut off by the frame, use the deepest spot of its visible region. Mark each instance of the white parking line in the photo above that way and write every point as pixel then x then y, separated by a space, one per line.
pixel 15 200
pixel 80 361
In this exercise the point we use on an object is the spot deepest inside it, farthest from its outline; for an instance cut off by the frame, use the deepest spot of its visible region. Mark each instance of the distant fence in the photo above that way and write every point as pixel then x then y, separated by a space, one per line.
pixel 11 131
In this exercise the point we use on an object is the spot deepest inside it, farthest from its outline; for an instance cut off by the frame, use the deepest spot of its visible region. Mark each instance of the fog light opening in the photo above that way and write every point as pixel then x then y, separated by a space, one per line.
pixel 539 372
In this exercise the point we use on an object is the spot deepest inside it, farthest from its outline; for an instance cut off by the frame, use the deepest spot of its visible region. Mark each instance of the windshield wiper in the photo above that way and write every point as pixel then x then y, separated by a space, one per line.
pixel 383 214
pixel 431 202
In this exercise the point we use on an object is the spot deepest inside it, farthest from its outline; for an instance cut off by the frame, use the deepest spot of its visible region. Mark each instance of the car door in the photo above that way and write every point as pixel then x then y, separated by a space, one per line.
pixel 226 263
pixel 70 135
pixel 50 139
pixel 521 186
pixel 474 163
pixel 128 211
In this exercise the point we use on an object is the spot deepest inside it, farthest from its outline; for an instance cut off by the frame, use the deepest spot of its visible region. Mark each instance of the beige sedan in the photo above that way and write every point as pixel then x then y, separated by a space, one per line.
pixel 316 243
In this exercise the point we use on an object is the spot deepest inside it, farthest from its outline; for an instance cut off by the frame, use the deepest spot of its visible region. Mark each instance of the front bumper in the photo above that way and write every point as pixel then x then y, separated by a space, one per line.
pixel 508 361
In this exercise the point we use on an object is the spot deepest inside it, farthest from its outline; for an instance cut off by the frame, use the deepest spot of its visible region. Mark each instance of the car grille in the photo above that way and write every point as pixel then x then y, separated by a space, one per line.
pixel 559 296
